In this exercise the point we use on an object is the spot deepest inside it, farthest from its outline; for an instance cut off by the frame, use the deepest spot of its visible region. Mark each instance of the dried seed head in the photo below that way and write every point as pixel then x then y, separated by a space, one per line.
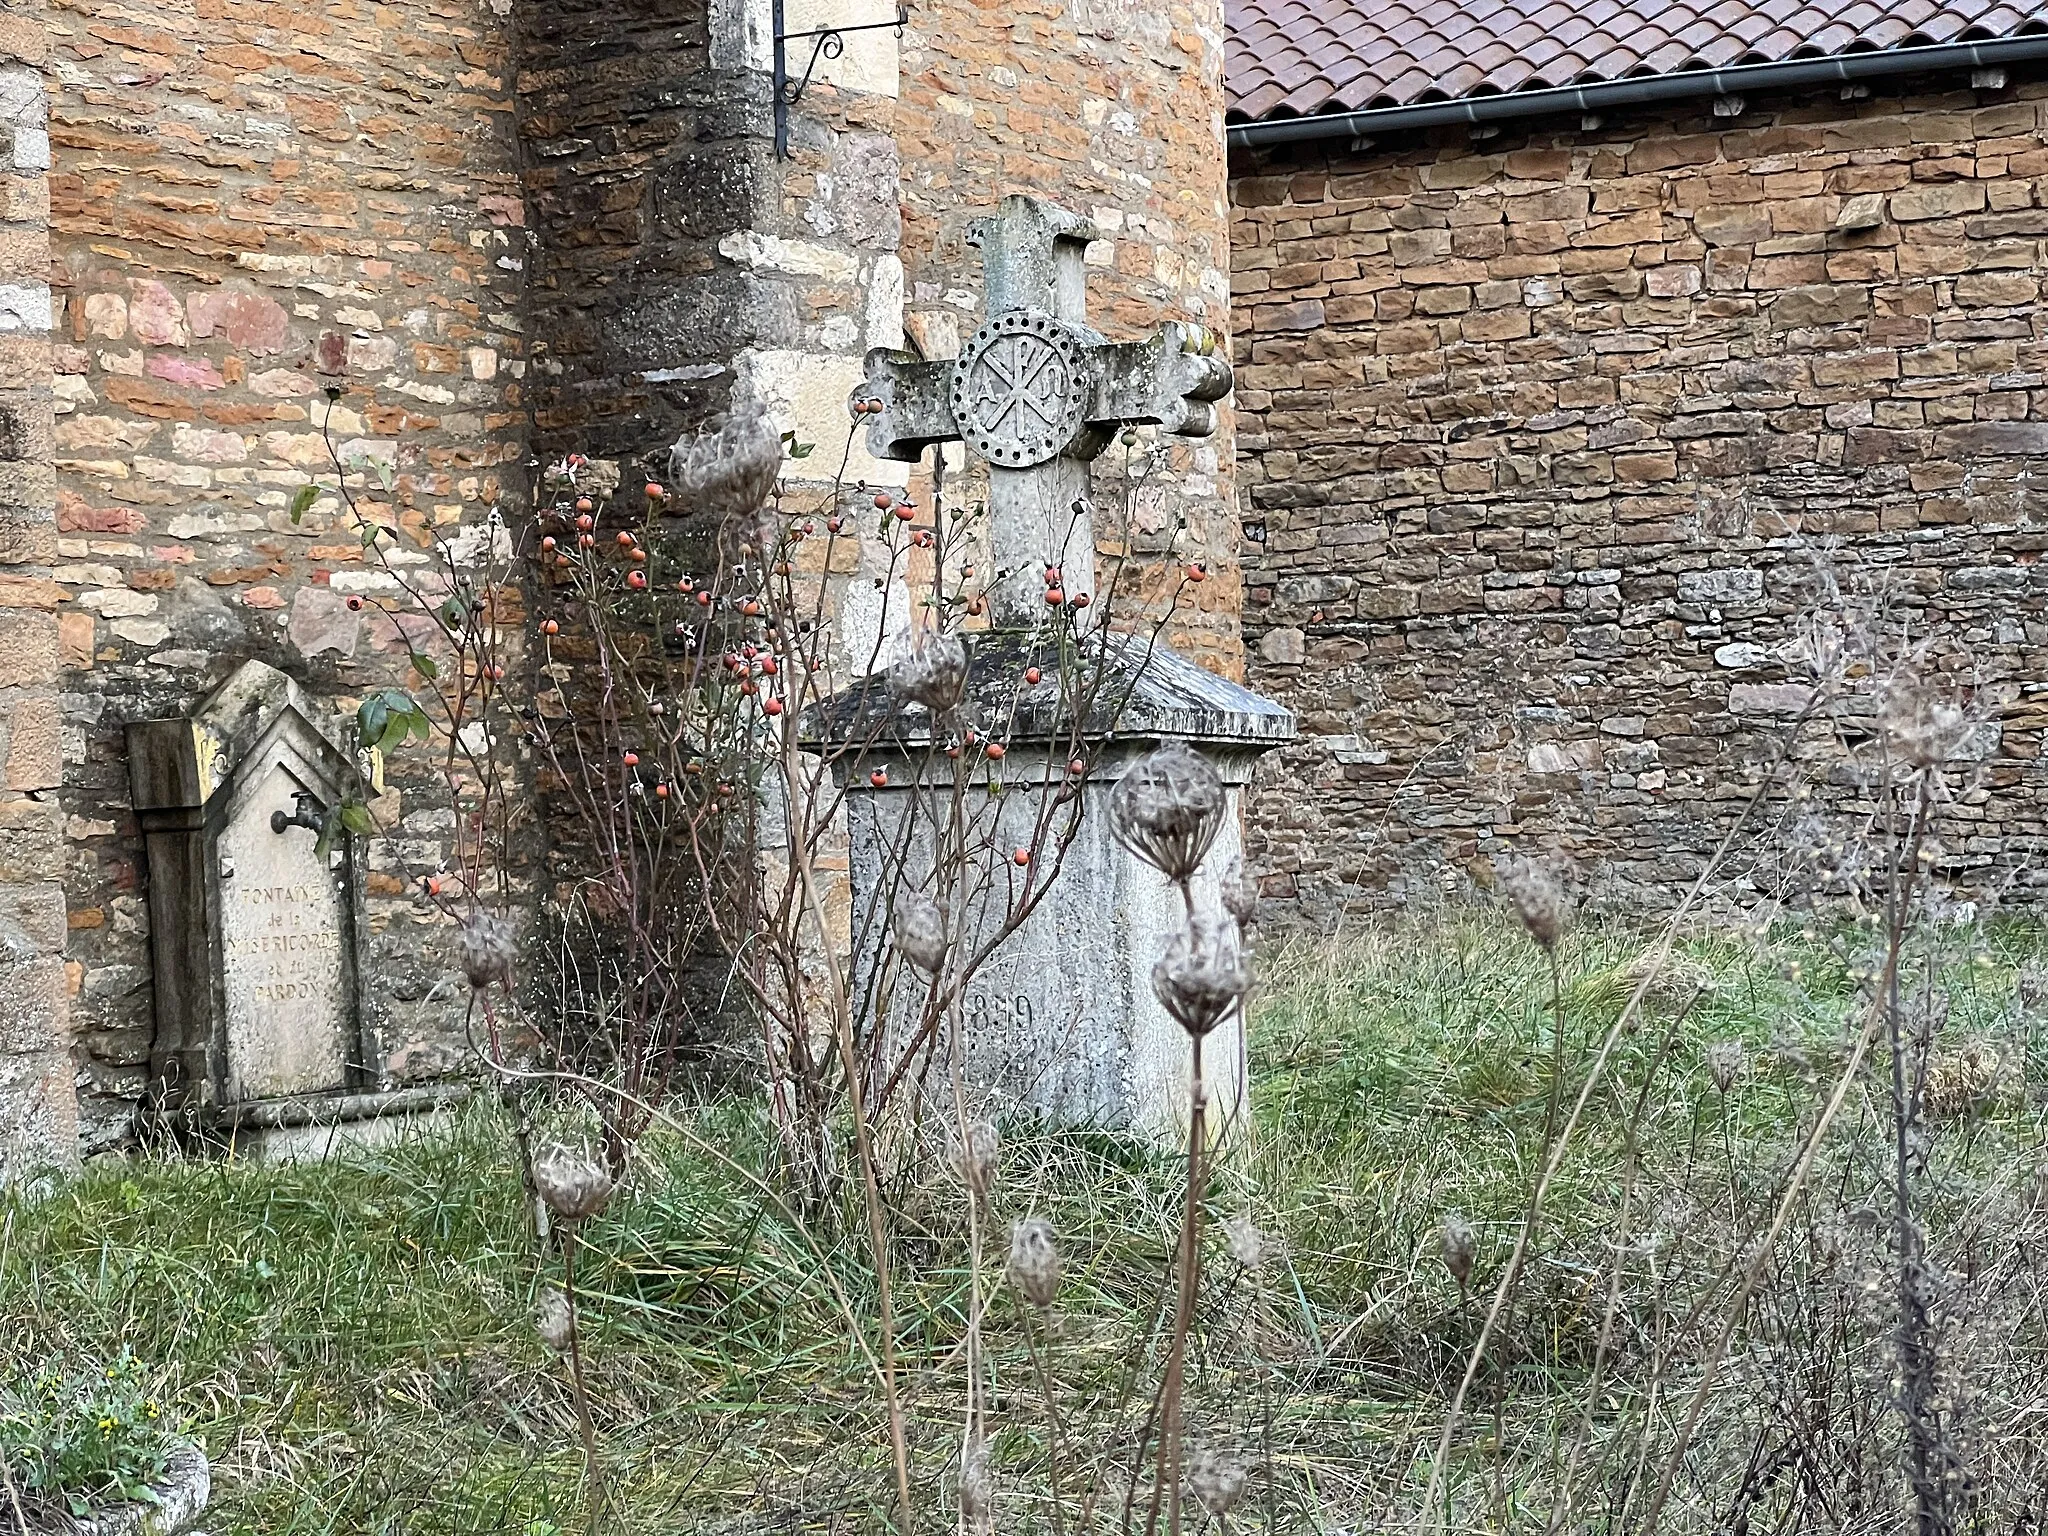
pixel 1240 893
pixel 932 675
pixel 1216 1479
pixel 1967 1079
pixel 485 946
pixel 1921 728
pixel 973 1155
pixel 1167 809
pixel 1244 1242
pixel 551 1319
pixel 1539 897
pixel 1726 1062
pixel 1460 1246
pixel 573 1184
pixel 1202 976
pixel 2030 988
pixel 977 1487
pixel 920 927
pixel 730 471
pixel 1034 1267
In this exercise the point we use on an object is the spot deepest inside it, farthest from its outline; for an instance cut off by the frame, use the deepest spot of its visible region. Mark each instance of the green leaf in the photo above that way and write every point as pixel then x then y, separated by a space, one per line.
pixel 426 666
pixel 370 718
pixel 800 450
pixel 422 727
pixel 303 499
pixel 356 817
pixel 396 728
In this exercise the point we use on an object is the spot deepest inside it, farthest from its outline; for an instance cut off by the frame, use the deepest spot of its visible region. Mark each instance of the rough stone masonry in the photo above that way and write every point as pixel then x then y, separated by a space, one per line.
pixel 501 230
pixel 1543 438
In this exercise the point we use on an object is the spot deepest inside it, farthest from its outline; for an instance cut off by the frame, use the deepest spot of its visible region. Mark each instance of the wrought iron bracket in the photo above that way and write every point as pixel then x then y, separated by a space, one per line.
pixel 826 43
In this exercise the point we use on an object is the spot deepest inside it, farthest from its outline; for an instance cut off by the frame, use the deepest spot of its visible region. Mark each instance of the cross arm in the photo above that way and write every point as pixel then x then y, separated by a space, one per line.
pixel 1172 379
pixel 917 409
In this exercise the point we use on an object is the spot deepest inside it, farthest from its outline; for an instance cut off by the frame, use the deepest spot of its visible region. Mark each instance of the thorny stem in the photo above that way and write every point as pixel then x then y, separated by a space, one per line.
pixel 871 1192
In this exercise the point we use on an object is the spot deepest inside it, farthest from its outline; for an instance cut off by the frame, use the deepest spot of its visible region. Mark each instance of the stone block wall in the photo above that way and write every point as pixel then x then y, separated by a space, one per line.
pixel 38 1104
pixel 1544 437
pixel 253 205
pixel 1115 111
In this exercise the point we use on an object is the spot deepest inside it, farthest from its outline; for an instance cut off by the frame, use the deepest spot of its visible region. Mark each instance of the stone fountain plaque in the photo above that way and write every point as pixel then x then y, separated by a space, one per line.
pixel 253 922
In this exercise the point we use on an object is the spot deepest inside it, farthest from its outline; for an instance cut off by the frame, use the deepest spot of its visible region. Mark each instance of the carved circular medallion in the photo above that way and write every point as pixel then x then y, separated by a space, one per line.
pixel 1019 392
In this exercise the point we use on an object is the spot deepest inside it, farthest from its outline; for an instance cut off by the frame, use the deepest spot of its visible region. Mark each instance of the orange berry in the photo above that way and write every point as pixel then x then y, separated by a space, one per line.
pixel 768 665
pixel 661 791
pixel 1081 599
pixel 1054 596
pixel 1021 857
pixel 550 627
pixel 625 539
pixel 771 706
pixel 1076 766
pixel 586 523
pixel 636 579
pixel 1196 573
pixel 548 542
pixel 583 503
pixel 703 599
pixel 882 498
pixel 879 777
pixel 995 750
pixel 433 885
pixel 654 491
pixel 632 759
pixel 1032 674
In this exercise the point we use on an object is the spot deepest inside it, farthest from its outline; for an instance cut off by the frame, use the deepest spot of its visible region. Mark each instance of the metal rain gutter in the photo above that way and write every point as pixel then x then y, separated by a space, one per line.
pixel 1608 94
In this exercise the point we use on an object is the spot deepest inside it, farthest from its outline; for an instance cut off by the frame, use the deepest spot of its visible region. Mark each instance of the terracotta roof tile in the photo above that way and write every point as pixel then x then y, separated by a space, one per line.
pixel 1291 58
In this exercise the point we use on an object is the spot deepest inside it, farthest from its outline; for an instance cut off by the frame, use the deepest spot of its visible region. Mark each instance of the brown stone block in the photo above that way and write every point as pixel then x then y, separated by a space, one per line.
pixel 35 757
pixel 27 538
pixel 1820 304
pixel 1998 288
pixel 75 639
pixel 1936 200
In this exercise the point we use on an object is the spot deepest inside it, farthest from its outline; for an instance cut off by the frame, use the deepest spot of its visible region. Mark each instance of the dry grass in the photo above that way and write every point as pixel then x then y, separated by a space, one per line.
pixel 353 1339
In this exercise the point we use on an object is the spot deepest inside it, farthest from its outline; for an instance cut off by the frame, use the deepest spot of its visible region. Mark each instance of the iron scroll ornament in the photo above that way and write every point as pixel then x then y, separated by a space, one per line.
pixel 826 43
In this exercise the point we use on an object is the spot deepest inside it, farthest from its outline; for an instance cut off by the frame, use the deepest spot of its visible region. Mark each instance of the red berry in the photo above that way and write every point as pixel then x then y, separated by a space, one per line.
pixel 768 665
pixel 750 607
pixel 1052 575
pixel 882 498
pixel 586 540
pixel 1032 674
pixel 1054 596
pixel 771 706
pixel 703 599
pixel 834 524
pixel 636 579
pixel 625 540
pixel 433 885
pixel 995 750
pixel 1081 599
pixel 548 542
pixel 905 512
pixel 585 523
pixel 355 604
pixel 632 759
pixel 1021 857
pixel 550 627
pixel 879 777
pixel 497 674
pixel 750 687
pixel 654 491
pixel 1076 767
pixel 636 553
pixel 583 504
pixel 1196 573
pixel 661 791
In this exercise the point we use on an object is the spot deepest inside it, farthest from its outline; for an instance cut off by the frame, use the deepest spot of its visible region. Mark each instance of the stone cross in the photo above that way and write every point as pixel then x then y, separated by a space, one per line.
pixel 1037 394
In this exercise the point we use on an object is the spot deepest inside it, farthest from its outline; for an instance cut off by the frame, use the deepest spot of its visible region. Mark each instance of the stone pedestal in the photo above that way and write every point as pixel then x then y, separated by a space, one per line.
pixel 1061 1022
pixel 254 924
